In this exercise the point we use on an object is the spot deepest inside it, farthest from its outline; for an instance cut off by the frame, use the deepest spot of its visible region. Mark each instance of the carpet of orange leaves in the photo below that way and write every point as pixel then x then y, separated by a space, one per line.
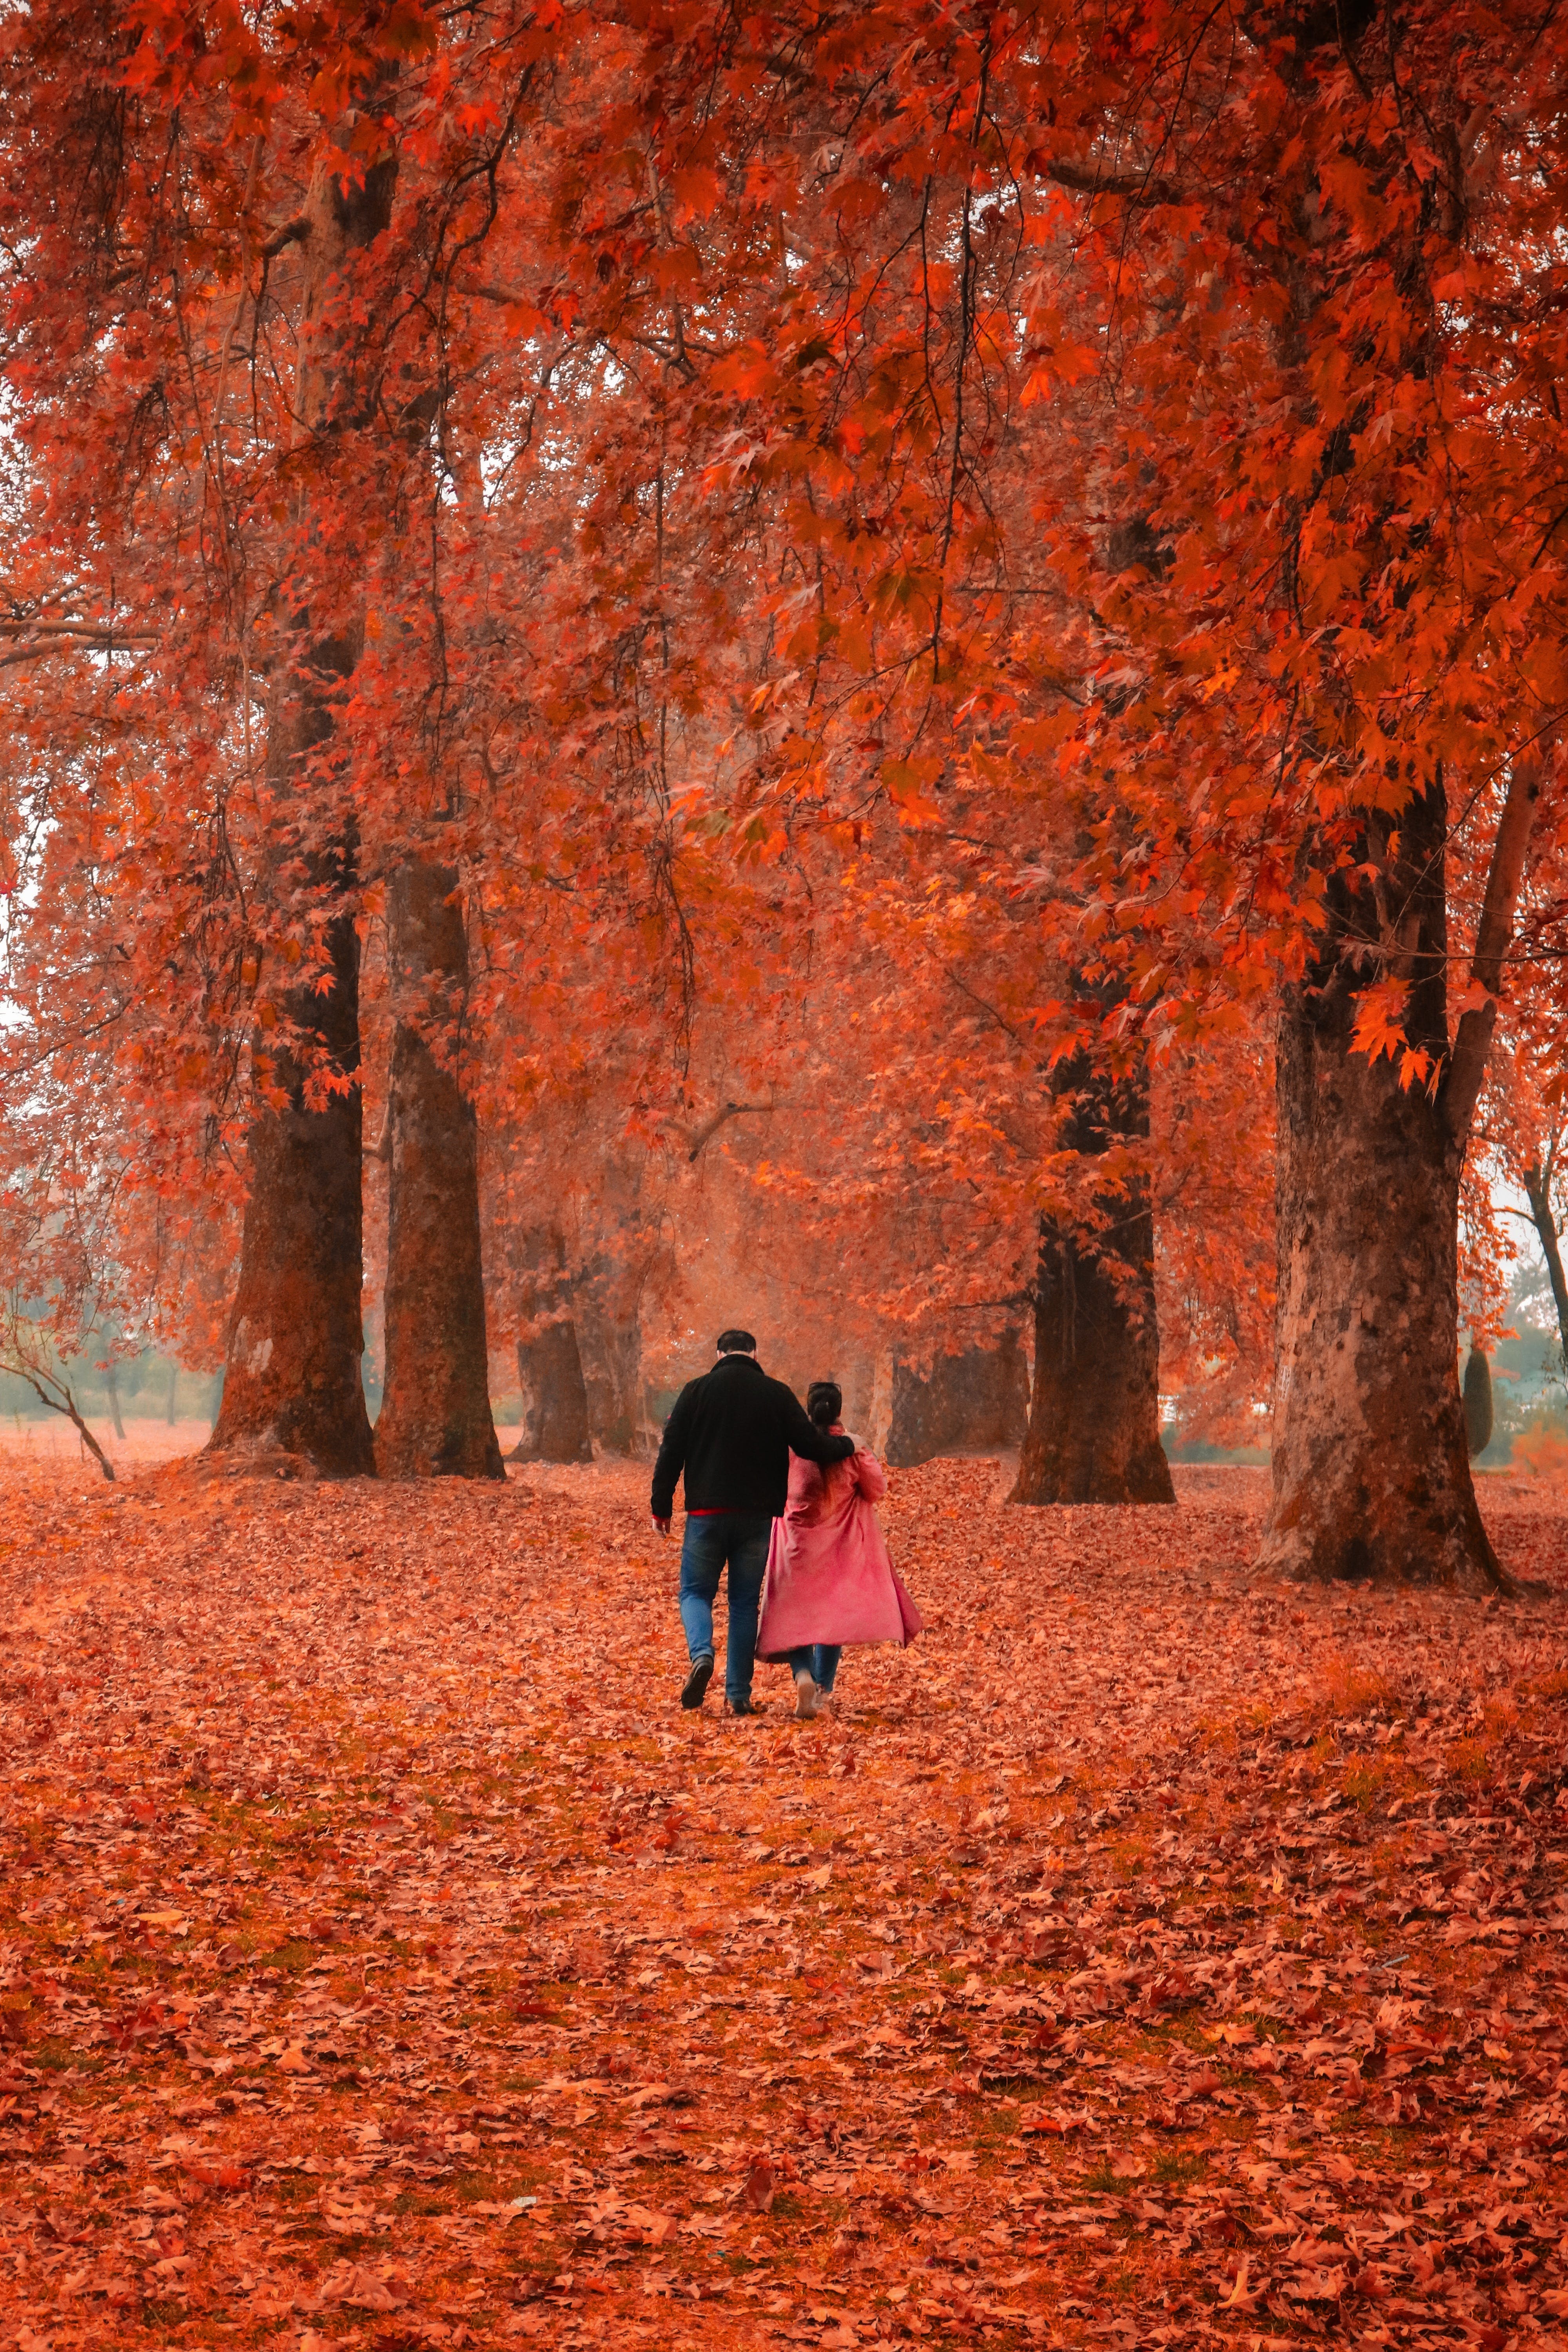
pixel 1145 1960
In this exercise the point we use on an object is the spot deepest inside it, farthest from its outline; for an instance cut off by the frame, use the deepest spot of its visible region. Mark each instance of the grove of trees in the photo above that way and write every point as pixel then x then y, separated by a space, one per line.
pixel 905 660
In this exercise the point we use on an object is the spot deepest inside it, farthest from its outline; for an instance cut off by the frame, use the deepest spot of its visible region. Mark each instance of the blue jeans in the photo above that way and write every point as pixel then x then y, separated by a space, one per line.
pixel 740 1539
pixel 820 1660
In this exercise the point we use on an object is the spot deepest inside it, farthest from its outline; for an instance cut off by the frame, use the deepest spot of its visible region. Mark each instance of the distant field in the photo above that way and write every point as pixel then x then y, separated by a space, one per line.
pixel 147 1439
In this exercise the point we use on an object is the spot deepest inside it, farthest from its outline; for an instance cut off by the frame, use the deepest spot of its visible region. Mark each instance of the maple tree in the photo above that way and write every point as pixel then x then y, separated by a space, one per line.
pixel 1325 628
pixel 978 463
pixel 889 658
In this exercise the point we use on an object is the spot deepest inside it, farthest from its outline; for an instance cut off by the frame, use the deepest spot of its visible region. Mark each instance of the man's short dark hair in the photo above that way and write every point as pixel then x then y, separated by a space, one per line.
pixel 736 1343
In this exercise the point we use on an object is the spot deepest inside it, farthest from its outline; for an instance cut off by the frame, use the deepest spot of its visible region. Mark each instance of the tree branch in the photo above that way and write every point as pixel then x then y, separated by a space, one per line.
pixel 705 1133
pixel 63 637
pixel 292 232
pixel 1473 1037
pixel 68 1408
pixel 1137 187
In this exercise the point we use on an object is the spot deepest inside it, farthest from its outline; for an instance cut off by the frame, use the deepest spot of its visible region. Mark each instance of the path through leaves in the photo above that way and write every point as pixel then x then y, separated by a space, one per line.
pixel 1145 1960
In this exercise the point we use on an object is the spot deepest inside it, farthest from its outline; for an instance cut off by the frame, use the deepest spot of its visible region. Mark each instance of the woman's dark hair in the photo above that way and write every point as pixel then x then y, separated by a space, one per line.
pixel 824 1402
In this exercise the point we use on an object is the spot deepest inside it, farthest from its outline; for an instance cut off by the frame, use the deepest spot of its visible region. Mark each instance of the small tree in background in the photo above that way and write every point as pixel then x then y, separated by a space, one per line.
pixel 1477 1395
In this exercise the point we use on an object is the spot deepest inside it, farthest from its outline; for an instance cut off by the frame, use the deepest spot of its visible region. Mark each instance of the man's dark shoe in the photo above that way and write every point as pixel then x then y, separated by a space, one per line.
pixel 743 1706
pixel 694 1690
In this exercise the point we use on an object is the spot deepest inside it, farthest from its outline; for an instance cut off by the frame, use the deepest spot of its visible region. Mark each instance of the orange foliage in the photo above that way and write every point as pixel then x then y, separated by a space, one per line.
pixel 378 1955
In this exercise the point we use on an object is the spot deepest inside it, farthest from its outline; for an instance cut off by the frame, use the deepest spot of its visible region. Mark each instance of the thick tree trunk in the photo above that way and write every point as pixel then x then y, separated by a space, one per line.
pixel 434 1417
pixel 1094 1412
pixel 609 1337
pixel 555 1419
pixel 555 1397
pixel 291 1377
pixel 976 1402
pixel 292 1371
pixel 1370 1471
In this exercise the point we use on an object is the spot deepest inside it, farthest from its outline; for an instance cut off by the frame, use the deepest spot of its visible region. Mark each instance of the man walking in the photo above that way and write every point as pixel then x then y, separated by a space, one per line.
pixel 730 1431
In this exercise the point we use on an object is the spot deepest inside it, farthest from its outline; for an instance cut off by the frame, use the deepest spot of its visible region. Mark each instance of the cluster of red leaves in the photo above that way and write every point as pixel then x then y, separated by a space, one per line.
pixel 385 1960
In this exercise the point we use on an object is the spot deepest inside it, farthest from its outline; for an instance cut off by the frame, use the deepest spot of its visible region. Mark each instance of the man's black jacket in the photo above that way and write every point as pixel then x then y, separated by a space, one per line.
pixel 731 1432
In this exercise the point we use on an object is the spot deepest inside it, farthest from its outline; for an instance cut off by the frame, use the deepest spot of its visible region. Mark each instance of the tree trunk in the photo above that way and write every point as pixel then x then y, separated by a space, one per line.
pixel 1094 1412
pixel 292 1369
pixel 169 1400
pixel 1476 1390
pixel 292 1375
pixel 111 1383
pixel 1370 1471
pixel 1538 1192
pixel 976 1401
pixel 611 1346
pixel 555 1397
pixel 434 1417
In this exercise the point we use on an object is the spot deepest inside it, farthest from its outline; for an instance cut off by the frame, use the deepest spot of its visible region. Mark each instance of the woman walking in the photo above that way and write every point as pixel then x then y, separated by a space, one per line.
pixel 831 1581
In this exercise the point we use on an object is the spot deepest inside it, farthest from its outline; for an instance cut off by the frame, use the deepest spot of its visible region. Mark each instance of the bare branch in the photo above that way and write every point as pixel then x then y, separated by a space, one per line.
pixel 710 1128
pixel 70 1407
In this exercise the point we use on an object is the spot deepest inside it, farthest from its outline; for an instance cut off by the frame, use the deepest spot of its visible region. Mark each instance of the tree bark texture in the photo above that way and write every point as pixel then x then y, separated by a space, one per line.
pixel 435 1418
pixel 555 1424
pixel 292 1369
pixel 292 1376
pixel 555 1397
pixel 976 1402
pixel 609 1336
pixel 1094 1412
pixel 1538 1192
pixel 1371 1470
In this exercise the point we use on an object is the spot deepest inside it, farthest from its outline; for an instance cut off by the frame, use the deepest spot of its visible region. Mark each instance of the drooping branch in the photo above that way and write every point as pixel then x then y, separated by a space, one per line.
pixel 64 1402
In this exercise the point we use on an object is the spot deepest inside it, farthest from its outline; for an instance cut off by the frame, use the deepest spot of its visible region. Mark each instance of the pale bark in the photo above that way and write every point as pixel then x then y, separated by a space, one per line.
pixel 292 1369
pixel 111 1388
pixel 435 1418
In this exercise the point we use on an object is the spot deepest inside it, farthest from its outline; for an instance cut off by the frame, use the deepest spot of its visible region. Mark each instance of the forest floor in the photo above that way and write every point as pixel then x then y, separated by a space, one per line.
pixel 1146 1959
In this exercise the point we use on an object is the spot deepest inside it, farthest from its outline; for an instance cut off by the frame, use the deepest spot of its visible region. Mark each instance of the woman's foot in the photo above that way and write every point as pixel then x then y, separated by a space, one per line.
pixel 804 1695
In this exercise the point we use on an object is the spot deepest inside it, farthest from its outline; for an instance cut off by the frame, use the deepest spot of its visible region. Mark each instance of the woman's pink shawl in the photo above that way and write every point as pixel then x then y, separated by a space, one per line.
pixel 830 1578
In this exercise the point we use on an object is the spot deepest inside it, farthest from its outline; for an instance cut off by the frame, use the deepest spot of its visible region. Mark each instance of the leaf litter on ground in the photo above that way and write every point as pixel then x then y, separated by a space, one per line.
pixel 1148 1957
